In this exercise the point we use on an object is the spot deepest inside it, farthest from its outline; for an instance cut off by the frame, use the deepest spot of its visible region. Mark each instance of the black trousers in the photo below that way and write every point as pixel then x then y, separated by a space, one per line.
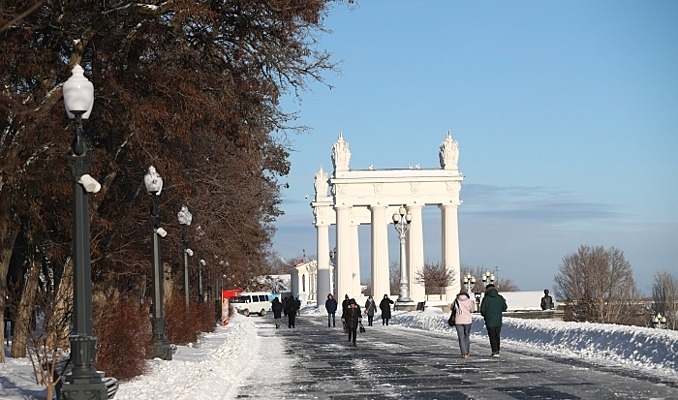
pixel 370 318
pixel 494 333
pixel 352 334
pixel 290 319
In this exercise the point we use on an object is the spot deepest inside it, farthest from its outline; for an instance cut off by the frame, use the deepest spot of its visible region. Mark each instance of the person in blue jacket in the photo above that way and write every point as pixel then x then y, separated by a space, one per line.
pixel 331 307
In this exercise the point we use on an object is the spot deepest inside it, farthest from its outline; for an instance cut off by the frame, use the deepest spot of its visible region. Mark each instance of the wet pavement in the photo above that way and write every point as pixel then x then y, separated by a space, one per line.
pixel 390 362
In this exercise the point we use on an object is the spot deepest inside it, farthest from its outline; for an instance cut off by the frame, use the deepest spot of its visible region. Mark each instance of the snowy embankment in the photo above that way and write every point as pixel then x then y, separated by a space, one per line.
pixel 211 369
pixel 647 348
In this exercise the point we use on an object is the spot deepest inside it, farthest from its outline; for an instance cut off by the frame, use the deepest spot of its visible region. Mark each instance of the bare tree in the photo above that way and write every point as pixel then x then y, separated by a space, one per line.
pixel 597 285
pixel 43 343
pixel 665 297
pixel 435 277
pixel 394 278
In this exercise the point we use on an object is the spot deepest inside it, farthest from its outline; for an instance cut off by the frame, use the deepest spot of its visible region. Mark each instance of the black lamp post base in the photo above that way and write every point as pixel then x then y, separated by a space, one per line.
pixel 85 388
pixel 84 382
pixel 162 351
pixel 161 347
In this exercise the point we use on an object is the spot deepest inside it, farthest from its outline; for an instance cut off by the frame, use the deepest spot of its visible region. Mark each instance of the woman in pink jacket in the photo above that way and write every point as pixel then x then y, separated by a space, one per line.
pixel 463 308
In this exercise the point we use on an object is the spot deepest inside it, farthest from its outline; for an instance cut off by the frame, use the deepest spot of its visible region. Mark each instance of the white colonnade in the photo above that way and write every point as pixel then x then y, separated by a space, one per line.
pixel 371 197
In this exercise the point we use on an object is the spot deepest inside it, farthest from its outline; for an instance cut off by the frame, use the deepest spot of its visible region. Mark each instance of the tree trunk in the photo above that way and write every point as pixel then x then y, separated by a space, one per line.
pixel 63 304
pixel 9 230
pixel 168 282
pixel 25 312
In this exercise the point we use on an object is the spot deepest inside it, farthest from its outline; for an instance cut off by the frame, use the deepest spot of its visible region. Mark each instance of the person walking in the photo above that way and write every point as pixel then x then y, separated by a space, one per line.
pixel 370 309
pixel 491 308
pixel 547 301
pixel 291 311
pixel 385 307
pixel 344 309
pixel 353 317
pixel 277 308
pixel 331 307
pixel 284 303
pixel 297 305
pixel 463 310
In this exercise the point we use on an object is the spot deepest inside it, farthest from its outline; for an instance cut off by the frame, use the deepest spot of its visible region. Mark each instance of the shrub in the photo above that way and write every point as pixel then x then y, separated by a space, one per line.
pixel 184 326
pixel 122 326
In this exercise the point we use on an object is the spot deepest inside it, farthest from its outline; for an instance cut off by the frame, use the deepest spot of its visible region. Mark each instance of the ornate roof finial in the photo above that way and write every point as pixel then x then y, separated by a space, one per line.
pixel 320 183
pixel 449 153
pixel 341 155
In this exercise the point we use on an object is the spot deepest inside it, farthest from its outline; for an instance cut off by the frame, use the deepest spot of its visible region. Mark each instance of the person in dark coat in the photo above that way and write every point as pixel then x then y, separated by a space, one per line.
pixel 297 305
pixel 284 303
pixel 331 307
pixel 277 308
pixel 291 311
pixel 353 317
pixel 370 309
pixel 491 308
pixel 385 307
pixel 547 301
pixel 344 309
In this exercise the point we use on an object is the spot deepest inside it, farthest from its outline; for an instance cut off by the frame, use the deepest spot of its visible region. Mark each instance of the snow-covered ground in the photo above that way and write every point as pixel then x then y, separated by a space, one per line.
pixel 213 367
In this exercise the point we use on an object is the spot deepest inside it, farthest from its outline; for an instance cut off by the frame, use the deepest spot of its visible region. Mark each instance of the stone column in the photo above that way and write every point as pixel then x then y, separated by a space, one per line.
pixel 323 271
pixel 450 250
pixel 415 253
pixel 295 282
pixel 343 270
pixel 355 262
pixel 380 273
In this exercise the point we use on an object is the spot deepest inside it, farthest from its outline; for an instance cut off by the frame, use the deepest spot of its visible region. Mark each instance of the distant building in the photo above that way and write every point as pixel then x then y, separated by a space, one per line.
pixel 304 281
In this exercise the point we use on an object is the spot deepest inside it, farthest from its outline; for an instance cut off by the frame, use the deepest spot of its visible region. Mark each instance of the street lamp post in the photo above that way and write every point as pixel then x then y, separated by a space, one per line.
pixel 333 258
pixel 477 296
pixel 470 282
pixel 161 346
pixel 84 382
pixel 401 221
pixel 659 321
pixel 185 219
pixel 487 278
pixel 200 292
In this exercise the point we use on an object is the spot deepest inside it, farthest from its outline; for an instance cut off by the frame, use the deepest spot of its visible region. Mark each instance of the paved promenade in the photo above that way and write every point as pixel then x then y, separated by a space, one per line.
pixel 390 362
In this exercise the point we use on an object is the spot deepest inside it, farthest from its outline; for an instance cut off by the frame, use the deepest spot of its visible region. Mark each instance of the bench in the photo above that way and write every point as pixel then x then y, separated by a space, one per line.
pixel 64 367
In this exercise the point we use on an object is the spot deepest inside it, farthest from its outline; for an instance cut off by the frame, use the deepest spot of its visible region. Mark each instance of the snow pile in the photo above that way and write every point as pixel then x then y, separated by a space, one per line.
pixel 213 368
pixel 639 346
pixel 648 348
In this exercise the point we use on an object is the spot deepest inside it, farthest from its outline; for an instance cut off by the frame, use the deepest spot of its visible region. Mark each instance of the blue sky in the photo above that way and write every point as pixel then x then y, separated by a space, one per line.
pixel 566 114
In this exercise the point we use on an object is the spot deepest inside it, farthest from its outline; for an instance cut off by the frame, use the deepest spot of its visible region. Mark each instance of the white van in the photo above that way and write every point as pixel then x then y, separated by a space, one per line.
pixel 253 303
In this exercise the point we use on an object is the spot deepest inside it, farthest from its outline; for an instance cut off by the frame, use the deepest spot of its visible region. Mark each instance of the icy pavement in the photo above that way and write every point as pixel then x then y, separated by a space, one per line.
pixel 395 362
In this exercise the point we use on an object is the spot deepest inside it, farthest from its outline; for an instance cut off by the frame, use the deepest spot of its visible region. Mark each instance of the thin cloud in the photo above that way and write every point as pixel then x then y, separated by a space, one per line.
pixel 533 203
